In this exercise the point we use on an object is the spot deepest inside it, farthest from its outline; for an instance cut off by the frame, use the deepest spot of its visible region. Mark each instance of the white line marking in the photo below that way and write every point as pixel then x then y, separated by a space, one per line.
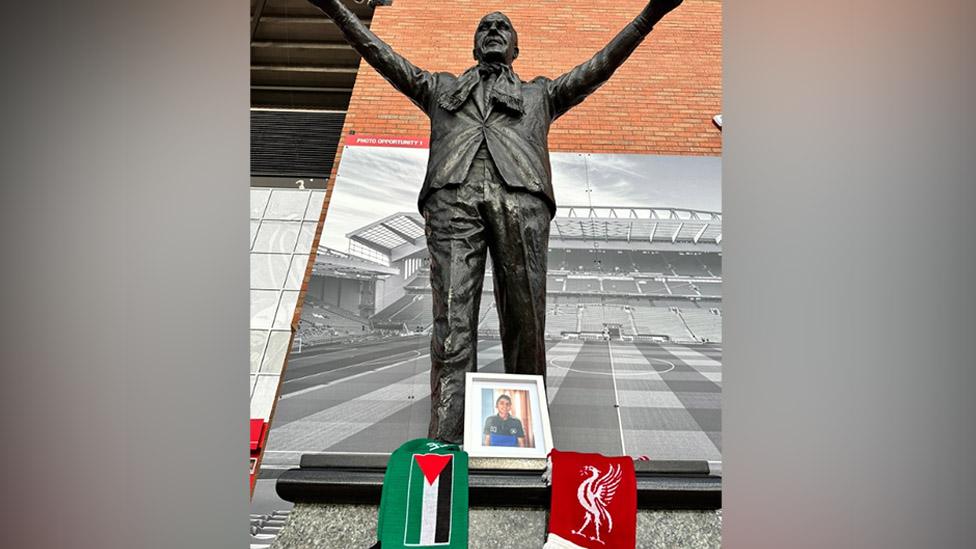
pixel 616 401
pixel 302 391
pixel 552 362
pixel 354 376
pixel 366 363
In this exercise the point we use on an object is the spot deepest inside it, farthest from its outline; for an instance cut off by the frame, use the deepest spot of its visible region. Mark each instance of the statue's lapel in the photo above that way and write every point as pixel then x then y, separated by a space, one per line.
pixel 478 96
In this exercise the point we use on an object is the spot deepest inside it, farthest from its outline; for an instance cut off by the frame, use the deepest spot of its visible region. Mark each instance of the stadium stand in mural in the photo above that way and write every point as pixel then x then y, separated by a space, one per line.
pixel 614 273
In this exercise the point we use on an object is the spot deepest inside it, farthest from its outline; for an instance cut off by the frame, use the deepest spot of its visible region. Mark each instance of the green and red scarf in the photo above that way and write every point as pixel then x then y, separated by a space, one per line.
pixel 425 497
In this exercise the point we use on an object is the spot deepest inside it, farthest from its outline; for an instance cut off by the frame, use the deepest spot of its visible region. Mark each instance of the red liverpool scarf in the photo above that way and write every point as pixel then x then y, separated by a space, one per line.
pixel 594 502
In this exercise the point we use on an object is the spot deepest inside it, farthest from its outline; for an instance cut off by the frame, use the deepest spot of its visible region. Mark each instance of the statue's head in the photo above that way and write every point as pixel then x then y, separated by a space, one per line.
pixel 495 40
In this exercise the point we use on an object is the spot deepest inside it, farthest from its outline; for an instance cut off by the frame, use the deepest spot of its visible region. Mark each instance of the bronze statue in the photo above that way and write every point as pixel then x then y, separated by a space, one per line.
pixel 488 189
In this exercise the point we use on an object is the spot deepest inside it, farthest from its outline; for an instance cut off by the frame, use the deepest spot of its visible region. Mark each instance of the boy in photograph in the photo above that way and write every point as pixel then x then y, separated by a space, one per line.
pixel 504 429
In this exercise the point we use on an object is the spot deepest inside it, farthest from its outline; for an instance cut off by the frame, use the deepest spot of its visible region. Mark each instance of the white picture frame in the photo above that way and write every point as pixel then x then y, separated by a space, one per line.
pixel 527 404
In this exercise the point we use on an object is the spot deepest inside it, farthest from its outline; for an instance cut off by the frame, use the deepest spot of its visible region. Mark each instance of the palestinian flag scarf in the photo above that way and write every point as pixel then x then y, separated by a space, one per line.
pixel 425 497
pixel 594 502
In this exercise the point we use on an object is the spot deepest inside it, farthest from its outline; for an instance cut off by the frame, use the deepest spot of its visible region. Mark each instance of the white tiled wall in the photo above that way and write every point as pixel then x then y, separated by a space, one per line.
pixel 282 228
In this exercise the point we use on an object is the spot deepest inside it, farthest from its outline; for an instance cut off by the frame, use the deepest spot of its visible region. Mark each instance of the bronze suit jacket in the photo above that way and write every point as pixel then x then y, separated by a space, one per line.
pixel 519 145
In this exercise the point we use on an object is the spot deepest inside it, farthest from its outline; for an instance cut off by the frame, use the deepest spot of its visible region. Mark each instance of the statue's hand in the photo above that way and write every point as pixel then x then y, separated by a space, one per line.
pixel 660 8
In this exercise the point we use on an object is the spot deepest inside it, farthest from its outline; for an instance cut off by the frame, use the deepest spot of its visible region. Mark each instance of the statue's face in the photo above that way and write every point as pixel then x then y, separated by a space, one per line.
pixel 495 40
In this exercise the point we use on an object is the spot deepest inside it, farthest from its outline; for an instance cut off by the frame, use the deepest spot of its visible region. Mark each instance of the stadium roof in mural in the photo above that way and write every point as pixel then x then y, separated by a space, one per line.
pixel 329 262
pixel 637 224
pixel 628 212
pixel 390 232
pixel 402 234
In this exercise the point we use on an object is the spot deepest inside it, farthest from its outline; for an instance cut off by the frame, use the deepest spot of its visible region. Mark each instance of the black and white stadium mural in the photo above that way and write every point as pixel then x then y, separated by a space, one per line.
pixel 633 310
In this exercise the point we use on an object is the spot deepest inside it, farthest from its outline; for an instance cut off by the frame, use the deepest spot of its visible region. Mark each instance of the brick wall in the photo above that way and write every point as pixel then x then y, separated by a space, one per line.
pixel 661 101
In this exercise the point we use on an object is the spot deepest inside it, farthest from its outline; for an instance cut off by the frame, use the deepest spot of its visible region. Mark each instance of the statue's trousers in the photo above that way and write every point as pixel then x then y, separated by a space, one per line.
pixel 465 223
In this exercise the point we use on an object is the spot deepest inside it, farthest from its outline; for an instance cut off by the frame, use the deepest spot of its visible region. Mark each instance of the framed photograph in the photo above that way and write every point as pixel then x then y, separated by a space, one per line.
pixel 506 415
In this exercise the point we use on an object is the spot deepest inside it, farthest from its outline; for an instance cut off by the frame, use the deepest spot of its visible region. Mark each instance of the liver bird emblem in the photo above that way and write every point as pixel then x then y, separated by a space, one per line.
pixel 595 494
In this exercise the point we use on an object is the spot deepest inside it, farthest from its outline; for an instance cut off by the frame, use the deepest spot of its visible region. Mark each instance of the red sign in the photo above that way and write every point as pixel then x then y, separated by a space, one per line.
pixel 257 432
pixel 387 141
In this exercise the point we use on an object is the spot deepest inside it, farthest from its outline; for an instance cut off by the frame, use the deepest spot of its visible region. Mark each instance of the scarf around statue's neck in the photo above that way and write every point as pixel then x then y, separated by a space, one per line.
pixel 506 92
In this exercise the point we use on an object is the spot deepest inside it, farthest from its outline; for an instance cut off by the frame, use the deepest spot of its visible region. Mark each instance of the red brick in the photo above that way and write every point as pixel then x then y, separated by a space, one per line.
pixel 660 102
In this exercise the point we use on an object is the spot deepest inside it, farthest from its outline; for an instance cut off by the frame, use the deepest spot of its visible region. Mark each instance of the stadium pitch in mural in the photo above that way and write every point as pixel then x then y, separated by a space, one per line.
pixel 633 313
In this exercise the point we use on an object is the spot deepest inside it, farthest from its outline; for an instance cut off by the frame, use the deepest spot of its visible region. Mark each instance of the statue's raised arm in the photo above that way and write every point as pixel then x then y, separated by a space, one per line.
pixel 572 88
pixel 415 83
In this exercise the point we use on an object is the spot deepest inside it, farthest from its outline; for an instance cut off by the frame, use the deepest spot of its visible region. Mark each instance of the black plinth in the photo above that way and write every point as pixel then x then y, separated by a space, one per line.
pixel 356 478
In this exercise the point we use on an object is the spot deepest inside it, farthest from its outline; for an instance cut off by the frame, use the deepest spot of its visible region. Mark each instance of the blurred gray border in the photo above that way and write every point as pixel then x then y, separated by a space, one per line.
pixel 125 274
pixel 849 187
